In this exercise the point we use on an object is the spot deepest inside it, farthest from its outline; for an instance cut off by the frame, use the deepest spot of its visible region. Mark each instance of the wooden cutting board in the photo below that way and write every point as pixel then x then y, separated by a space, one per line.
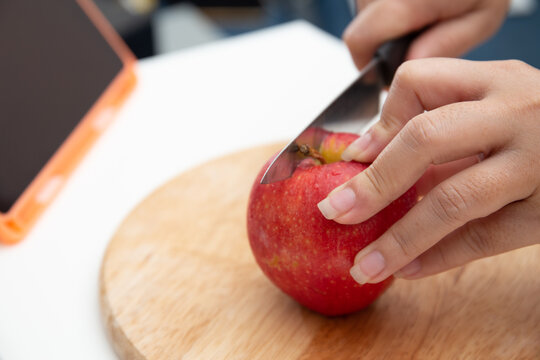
pixel 178 281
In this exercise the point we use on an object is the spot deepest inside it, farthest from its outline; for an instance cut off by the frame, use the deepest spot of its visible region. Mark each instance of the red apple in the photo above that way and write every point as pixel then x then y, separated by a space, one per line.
pixel 304 254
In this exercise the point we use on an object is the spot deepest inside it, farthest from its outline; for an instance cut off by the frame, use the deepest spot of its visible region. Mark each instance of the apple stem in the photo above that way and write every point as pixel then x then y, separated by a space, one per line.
pixel 307 150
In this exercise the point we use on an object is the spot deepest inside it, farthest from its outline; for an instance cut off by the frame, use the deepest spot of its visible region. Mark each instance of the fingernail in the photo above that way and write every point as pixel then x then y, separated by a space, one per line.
pixel 409 270
pixel 357 147
pixel 368 267
pixel 337 203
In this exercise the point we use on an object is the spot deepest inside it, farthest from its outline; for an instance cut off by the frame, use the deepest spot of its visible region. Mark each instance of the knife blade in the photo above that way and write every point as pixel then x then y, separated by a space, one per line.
pixel 351 111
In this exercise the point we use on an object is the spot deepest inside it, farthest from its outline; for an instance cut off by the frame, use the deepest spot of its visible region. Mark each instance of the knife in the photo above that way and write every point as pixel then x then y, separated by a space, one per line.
pixel 349 112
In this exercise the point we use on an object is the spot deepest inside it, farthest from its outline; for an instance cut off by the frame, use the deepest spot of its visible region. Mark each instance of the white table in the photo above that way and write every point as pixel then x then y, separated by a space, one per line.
pixel 188 107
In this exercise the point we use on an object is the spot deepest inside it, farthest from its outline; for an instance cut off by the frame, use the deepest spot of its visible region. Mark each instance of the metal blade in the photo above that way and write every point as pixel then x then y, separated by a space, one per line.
pixel 349 112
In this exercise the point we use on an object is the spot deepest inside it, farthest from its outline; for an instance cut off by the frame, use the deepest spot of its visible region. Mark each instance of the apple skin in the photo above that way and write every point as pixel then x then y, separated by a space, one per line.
pixel 307 256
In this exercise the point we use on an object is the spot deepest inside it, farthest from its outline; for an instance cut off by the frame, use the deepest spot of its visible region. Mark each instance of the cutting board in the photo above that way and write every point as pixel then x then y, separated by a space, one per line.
pixel 178 281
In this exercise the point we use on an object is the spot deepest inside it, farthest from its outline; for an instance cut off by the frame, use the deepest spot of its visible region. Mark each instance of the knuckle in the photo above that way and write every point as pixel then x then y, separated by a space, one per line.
pixel 404 243
pixel 406 11
pixel 531 105
pixel 482 187
pixel 404 75
pixel 390 122
pixel 450 204
pixel 518 64
pixel 375 178
pixel 444 257
pixel 408 73
pixel 354 40
pixel 350 37
pixel 419 133
pixel 362 4
pixel 512 65
pixel 510 70
pixel 477 240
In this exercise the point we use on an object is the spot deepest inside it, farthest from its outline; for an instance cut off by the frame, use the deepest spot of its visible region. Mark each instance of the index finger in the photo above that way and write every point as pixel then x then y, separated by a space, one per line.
pixel 367 32
pixel 444 134
pixel 420 85
pixel 451 28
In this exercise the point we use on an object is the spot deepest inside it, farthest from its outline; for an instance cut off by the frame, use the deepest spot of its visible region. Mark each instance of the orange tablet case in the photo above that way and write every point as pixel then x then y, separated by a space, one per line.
pixel 25 211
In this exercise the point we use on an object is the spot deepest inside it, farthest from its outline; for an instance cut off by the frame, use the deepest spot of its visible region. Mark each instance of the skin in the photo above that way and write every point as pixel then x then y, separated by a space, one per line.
pixel 466 132
pixel 452 27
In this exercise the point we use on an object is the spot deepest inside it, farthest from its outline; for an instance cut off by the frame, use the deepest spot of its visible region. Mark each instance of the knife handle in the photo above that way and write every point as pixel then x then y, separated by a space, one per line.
pixel 392 54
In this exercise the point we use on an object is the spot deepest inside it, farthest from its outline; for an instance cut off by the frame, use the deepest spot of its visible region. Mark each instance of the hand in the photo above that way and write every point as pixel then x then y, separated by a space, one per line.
pixel 470 131
pixel 453 27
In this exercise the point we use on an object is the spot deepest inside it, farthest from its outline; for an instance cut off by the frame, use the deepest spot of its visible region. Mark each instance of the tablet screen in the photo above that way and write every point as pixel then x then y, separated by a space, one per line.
pixel 54 64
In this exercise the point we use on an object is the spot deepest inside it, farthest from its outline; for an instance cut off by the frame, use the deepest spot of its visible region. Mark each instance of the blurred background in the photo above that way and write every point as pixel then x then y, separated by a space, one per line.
pixel 153 27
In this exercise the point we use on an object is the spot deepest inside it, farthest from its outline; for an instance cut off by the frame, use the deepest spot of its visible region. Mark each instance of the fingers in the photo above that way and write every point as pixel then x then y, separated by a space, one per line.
pixel 473 193
pixel 449 132
pixel 453 27
pixel 436 174
pixel 454 37
pixel 361 4
pixel 479 238
pixel 435 137
pixel 420 85
pixel 369 30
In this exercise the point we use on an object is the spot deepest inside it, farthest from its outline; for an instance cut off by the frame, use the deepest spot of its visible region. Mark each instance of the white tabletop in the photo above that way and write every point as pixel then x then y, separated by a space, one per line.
pixel 188 107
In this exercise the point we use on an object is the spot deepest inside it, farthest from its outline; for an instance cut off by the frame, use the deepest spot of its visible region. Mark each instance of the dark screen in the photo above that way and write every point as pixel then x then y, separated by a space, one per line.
pixel 54 64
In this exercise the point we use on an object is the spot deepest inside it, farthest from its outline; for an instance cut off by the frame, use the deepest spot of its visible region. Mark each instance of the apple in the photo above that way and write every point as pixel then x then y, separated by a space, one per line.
pixel 307 256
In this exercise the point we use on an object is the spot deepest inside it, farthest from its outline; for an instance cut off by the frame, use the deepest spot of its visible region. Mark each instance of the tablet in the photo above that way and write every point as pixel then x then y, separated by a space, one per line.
pixel 64 72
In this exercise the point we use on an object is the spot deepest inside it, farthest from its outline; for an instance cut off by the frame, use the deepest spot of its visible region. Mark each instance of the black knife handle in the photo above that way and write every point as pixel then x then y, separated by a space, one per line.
pixel 392 54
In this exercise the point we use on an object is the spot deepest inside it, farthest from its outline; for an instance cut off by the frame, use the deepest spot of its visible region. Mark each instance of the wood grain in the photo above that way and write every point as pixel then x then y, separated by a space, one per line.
pixel 178 281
